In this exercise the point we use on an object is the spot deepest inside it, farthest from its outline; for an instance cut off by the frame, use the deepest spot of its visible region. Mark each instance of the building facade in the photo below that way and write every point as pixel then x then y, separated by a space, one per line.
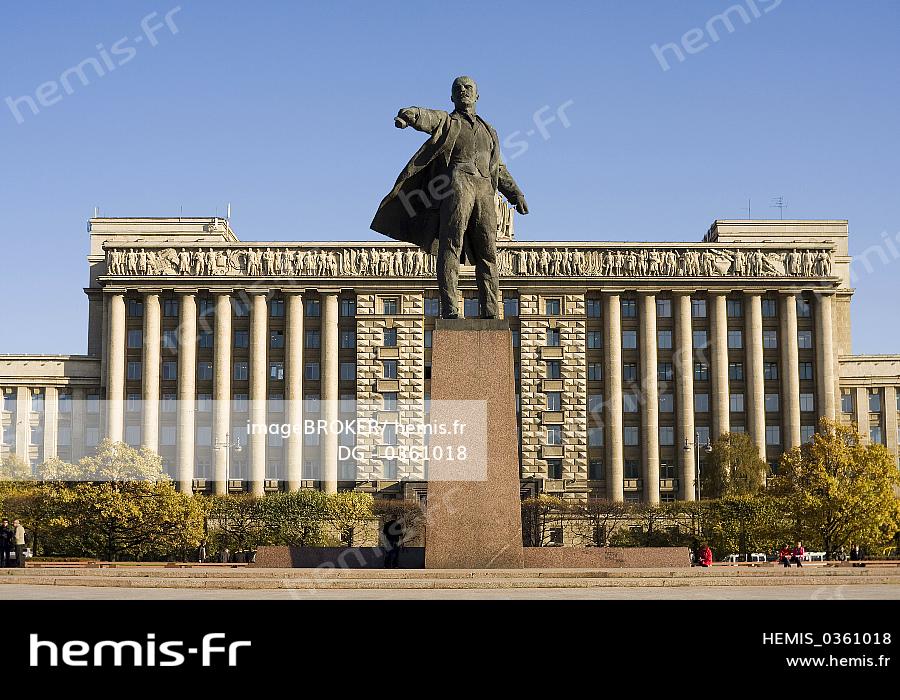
pixel 629 356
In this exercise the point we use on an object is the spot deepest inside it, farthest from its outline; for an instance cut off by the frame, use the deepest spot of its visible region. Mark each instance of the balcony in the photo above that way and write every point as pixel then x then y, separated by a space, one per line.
pixel 668 484
pixel 634 484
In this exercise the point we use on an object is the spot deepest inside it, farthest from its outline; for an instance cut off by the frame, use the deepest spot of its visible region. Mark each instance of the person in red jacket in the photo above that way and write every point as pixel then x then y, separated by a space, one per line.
pixel 705 558
pixel 797 554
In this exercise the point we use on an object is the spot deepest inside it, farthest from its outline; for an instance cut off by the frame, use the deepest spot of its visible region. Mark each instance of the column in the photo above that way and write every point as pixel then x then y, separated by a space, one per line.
pixel 78 411
pixel 150 383
pixel 222 436
pixel 650 407
pixel 187 390
pixel 721 406
pixel 612 382
pixel 756 388
pixel 23 423
pixel 115 367
pixel 861 408
pixel 51 422
pixel 890 419
pixel 258 392
pixel 330 395
pixel 790 372
pixel 293 388
pixel 684 393
pixel 826 384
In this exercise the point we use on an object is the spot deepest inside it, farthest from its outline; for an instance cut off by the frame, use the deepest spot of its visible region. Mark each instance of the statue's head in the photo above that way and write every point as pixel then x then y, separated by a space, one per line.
pixel 464 92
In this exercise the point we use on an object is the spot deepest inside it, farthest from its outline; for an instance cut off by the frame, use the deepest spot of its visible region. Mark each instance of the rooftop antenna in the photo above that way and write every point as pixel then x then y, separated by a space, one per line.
pixel 779 204
pixel 748 208
pixel 228 215
pixel 96 212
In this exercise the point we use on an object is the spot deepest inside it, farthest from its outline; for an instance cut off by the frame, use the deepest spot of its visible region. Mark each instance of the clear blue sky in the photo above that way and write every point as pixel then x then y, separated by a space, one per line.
pixel 285 110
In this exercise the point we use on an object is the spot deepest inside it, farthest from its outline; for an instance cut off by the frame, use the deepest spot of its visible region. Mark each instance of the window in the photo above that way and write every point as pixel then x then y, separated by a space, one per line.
pixel 134 371
pixel 847 402
pixel 204 403
pixel 170 308
pixel 313 339
pixel 554 369
pixel 313 307
pixel 772 402
pixel 804 309
pixel 552 307
pixel 806 370
pixel 241 403
pixel 554 435
pixel 736 403
pixel 206 307
pixel 595 436
pixel 595 403
pixel 389 306
pixel 875 435
pixel 632 435
pixel 807 403
pixel 874 400
pixel 471 307
pixel 769 308
pixel 348 371
pixel 773 434
pixel 629 372
pixel 629 340
pixel 427 369
pixel 734 308
pixel 429 339
pixel 433 306
pixel 701 339
pixel 664 308
pixel 770 370
pixel 241 339
pixel 170 339
pixel 807 432
pixel 770 339
pixel 240 307
pixel 665 372
pixel 698 308
pixel 738 429
pixel 554 469
pixel 629 308
pixel 135 308
pixel 594 340
pixel 701 372
pixel 666 403
pixel 348 307
pixel 632 469
pixel 666 435
pixel 664 340
pixel 93 403
pixel 593 307
pixel 276 308
pixel 205 340
pixel 204 371
pixel 735 339
pixel 736 370
pixel 554 401
pixel 595 470
pixel 804 340
pixel 667 471
pixel 552 338
pixel 276 371
pixel 135 338
pixel 241 371
pixel 65 403
pixel 276 340
pixel 389 369
pixel 389 400
pixel 701 403
pixel 348 339
pixel 595 372
pixel 311 371
pixel 132 403
pixel 132 435
pixel 390 337
pixel 630 403
pixel 64 436
pixel 703 434
pixel 169 403
pixel 510 307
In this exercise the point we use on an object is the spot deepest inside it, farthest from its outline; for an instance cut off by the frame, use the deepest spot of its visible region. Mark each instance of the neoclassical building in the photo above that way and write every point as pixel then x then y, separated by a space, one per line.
pixel 630 356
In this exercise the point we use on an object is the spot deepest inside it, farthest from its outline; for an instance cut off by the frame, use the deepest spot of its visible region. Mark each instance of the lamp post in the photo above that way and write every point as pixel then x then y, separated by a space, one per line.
pixel 707 448
pixel 227 445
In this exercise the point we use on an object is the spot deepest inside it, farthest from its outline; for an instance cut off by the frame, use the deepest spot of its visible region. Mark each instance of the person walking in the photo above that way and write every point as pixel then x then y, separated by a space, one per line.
pixel 6 540
pixel 797 554
pixel 19 543
pixel 392 532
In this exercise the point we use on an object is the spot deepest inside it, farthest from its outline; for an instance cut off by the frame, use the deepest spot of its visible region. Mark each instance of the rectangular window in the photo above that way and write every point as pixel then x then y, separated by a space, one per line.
pixel 552 307
pixel 773 434
pixel 554 435
pixel 206 307
pixel 241 403
pixel 735 339
pixel 804 340
pixel 135 308
pixel 390 337
pixel 736 371
pixel 204 403
pixel 593 308
pixel 169 403
pixel 594 340
pixel 132 403
pixel 736 402
pixel 389 400
pixel 313 308
pixel 664 340
pixel 664 308
pixel 276 308
pixel 241 339
pixel 390 306
pixel 630 403
pixel 276 371
pixel 804 309
pixel 64 436
pixel 132 435
pixel 348 307
pixel 240 307
pixel 703 434
pixel 167 435
pixel 313 339
pixel 471 307
pixel 806 370
pixel 631 435
pixel 770 339
pixel 241 371
pixel 348 339
pixel 874 400
pixel 204 371
pixel 701 403
pixel 170 339
pixel 633 470
pixel 734 308
pixel 701 372
pixel 135 339
pixel 629 372
pixel 429 338
pixel 807 403
pixel 348 371
pixel 806 433
pixel 205 340
pixel 595 403
pixel 701 339
pixel 666 435
pixel 665 372
pixel 772 402
pixel 510 307
pixel 698 308
pixel 554 401
pixel 389 369
pixel 554 369
pixel 65 403
pixel 552 338
pixel 847 402
pixel 433 306
pixel 629 340
pixel 595 371
pixel 170 308
pixel 666 403
pixel 595 436
pixel 276 340
pixel 770 370
pixel 311 371
pixel 595 470
pixel 554 469
pixel 629 308
pixel 769 308
pixel 134 371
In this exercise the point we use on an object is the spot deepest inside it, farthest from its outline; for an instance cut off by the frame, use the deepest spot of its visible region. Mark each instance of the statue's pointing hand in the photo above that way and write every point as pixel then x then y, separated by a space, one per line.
pixel 403 118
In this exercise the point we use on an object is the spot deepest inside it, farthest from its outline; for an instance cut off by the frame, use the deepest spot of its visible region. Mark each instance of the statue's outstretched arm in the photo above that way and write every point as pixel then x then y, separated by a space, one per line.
pixel 421 119
pixel 509 189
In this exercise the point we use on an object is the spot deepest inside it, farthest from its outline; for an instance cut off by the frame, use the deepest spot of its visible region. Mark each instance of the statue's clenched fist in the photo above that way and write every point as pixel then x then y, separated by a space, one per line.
pixel 403 118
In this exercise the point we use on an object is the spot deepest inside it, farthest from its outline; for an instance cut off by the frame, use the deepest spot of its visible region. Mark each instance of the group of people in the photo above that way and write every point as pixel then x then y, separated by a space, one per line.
pixel 12 539
pixel 788 555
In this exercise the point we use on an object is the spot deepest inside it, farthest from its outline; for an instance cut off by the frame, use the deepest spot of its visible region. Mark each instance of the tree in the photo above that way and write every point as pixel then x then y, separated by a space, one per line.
pixel 538 515
pixel 295 519
pixel 13 469
pixel 347 510
pixel 840 491
pixel 733 468
pixel 745 524
pixel 602 516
